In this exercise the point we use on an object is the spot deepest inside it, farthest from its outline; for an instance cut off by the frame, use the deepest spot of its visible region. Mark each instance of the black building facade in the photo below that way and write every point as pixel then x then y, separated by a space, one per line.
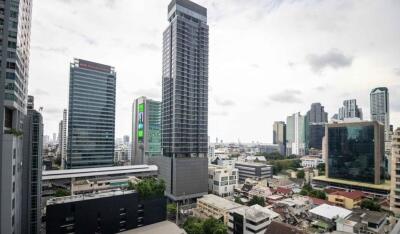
pixel 355 151
pixel 104 214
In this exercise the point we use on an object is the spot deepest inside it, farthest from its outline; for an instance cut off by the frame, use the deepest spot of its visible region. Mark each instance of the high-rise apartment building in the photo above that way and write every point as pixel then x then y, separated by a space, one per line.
pixel 350 110
pixel 62 139
pixel 184 111
pixel 15 25
pixel 355 151
pixel 379 107
pixel 296 134
pixel 316 119
pixel 395 174
pixel 91 116
pixel 146 130
pixel 279 135
pixel 32 171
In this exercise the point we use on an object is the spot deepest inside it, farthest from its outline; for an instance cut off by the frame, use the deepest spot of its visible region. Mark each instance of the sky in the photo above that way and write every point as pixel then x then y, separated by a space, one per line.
pixel 267 58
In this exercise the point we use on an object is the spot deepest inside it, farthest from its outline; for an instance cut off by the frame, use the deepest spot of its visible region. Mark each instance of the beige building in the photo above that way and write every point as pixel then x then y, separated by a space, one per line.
pixel 395 176
pixel 211 205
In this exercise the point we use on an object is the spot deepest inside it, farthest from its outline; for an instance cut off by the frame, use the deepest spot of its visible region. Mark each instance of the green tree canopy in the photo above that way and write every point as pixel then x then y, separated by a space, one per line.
pixel 370 205
pixel 209 226
pixel 256 200
pixel 149 188
pixel 62 193
pixel 300 174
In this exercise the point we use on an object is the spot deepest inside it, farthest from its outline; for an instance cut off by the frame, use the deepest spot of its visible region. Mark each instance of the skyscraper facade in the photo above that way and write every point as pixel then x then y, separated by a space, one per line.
pixel 146 130
pixel 15 24
pixel 355 151
pixel 184 111
pixel 279 135
pixel 316 119
pixel 32 171
pixel 62 139
pixel 379 107
pixel 91 117
pixel 296 134
pixel 350 110
pixel 395 173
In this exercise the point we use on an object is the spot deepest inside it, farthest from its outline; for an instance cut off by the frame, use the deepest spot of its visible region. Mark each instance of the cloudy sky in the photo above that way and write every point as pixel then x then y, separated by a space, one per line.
pixel 268 58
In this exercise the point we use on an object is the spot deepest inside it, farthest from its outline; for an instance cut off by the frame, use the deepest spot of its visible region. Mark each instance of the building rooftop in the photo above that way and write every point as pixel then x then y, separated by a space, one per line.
pixel 219 202
pixel 100 171
pixel 164 227
pixel 330 212
pixel 255 212
pixel 252 164
pixel 384 186
pixel 360 215
pixel 282 228
pixel 75 198
pixel 351 195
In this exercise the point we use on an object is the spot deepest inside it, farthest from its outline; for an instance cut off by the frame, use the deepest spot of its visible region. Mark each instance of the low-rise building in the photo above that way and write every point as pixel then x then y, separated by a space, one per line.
pixel 259 191
pixel 211 205
pixel 282 228
pixel 348 200
pixel 101 184
pixel 222 181
pixel 110 212
pixel 253 170
pixel 253 219
pixel 296 204
pixel 363 221
pixel 329 213
pixel 311 161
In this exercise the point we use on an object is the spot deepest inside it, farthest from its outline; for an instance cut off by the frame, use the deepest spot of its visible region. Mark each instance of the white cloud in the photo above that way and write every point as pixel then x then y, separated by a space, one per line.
pixel 258 49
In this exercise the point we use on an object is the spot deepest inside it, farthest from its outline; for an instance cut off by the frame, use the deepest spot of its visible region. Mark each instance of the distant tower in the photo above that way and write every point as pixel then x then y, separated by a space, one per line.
pixel 350 110
pixel 296 134
pixel 379 107
pixel 62 139
pixel 279 135
pixel 316 119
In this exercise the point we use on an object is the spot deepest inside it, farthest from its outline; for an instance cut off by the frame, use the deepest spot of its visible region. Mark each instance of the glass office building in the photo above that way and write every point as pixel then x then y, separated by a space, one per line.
pixel 355 151
pixel 91 117
pixel 146 132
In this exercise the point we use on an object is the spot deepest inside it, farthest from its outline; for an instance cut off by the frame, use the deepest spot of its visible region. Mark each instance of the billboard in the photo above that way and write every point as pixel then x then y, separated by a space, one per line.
pixel 140 129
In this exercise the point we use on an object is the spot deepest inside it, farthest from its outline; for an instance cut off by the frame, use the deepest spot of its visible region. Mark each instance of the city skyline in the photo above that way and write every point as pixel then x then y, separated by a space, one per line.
pixel 284 67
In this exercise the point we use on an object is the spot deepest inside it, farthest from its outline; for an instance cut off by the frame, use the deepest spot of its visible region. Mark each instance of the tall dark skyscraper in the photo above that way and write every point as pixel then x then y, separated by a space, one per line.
pixel 91 116
pixel 184 111
pixel 32 171
pixel 15 25
pixel 316 119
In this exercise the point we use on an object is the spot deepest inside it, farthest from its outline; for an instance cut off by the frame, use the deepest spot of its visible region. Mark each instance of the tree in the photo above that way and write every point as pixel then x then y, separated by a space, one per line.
pixel 149 188
pixel 238 200
pixel 209 226
pixel 307 190
pixel 193 226
pixel 370 205
pixel 62 193
pixel 321 168
pixel 171 210
pixel 300 174
pixel 213 226
pixel 256 200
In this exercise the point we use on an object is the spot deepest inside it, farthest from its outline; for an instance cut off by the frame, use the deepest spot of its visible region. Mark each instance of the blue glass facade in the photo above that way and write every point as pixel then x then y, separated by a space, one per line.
pixel 91 118
pixel 355 152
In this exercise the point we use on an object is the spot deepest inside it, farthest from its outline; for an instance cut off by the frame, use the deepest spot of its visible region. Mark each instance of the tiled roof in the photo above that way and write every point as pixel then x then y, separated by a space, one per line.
pixel 351 195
